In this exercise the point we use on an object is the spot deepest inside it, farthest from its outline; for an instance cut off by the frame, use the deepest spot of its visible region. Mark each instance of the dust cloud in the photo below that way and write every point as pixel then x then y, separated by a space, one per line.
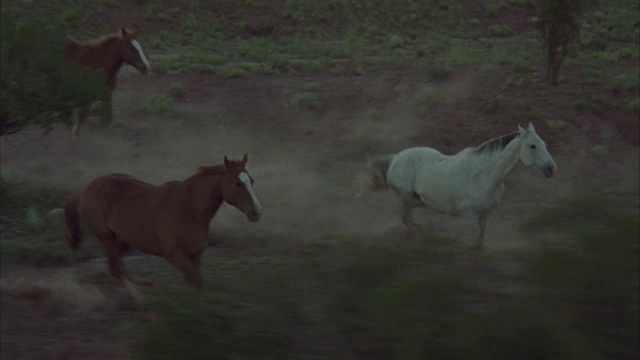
pixel 301 200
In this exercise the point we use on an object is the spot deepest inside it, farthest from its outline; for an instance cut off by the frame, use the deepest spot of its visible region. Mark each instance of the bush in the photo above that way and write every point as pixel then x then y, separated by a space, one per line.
pixel 305 101
pixel 590 281
pixel 38 85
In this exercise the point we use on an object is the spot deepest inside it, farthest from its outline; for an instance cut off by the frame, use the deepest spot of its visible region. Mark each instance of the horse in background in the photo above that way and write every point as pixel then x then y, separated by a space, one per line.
pixel 170 220
pixel 107 53
pixel 469 183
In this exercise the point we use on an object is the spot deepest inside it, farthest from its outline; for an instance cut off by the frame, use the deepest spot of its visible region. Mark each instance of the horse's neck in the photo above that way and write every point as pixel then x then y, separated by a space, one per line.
pixel 501 163
pixel 93 55
pixel 204 190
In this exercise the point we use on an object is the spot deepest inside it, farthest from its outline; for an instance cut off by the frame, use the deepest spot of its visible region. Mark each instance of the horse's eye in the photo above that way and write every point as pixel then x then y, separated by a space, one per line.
pixel 238 183
pixel 532 146
pixel 133 48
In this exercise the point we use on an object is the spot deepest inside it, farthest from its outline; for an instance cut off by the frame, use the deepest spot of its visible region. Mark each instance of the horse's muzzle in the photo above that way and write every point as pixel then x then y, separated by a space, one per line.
pixel 254 215
pixel 549 171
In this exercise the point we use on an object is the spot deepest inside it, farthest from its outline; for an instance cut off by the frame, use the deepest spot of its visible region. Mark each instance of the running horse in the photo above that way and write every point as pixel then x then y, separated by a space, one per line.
pixel 170 220
pixel 107 53
pixel 469 183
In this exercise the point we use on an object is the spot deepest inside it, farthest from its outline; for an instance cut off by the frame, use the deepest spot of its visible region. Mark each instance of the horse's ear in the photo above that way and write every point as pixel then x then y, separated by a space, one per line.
pixel 531 128
pixel 123 32
pixel 521 130
pixel 244 159
pixel 226 162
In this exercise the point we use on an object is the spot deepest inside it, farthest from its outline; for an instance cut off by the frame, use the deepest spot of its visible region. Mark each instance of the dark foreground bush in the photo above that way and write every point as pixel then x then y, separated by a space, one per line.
pixel 349 299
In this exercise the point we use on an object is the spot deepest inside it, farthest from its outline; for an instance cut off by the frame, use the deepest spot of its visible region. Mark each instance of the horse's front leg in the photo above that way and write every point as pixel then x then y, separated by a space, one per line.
pixel 189 265
pixel 80 116
pixel 114 250
pixel 406 215
pixel 107 110
pixel 409 202
pixel 482 224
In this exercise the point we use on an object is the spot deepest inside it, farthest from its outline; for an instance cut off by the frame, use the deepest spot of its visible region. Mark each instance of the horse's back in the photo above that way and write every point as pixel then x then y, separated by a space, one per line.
pixel 110 190
pixel 125 206
pixel 405 167
pixel 423 171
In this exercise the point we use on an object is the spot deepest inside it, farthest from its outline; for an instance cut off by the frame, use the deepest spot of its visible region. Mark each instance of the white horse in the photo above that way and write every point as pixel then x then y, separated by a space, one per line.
pixel 469 183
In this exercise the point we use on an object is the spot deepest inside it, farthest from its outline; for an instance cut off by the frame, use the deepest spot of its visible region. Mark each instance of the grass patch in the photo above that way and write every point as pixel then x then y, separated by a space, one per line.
pixel 495 105
pixel 31 234
pixel 232 71
pixel 633 104
pixel 624 83
pixel 499 30
pixel 535 112
pixel 556 124
pixel 157 104
pixel 176 89
pixel 307 100
pixel 600 150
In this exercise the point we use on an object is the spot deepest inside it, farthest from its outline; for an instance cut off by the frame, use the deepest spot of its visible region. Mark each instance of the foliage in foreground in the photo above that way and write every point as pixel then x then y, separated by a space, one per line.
pixel 38 86
pixel 575 299
pixel 29 234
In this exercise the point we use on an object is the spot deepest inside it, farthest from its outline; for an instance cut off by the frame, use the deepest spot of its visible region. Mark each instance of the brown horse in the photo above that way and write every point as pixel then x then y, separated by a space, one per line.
pixel 170 220
pixel 107 53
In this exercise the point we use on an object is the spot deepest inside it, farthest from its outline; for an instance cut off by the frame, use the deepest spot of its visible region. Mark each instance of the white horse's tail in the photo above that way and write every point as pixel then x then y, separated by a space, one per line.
pixel 377 179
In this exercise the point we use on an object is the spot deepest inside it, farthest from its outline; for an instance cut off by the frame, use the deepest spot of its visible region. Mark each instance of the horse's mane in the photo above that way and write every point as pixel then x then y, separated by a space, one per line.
pixel 211 169
pixel 496 144
pixel 95 42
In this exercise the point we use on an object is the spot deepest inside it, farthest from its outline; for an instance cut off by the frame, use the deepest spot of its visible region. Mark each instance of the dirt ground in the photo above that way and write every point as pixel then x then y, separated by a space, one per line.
pixel 307 165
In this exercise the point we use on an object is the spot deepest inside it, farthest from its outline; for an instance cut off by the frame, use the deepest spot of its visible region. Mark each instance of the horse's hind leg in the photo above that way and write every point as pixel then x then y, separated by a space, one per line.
pixel 409 202
pixel 114 250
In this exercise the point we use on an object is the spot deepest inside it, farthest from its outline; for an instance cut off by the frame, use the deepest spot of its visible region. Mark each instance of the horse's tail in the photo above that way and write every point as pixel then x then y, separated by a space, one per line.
pixel 377 179
pixel 72 222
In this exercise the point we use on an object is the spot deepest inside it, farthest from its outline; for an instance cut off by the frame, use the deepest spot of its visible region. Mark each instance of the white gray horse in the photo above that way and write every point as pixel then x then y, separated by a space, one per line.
pixel 469 183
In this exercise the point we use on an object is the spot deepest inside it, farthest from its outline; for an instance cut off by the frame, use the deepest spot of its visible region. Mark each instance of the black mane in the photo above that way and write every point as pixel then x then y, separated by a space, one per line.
pixel 496 144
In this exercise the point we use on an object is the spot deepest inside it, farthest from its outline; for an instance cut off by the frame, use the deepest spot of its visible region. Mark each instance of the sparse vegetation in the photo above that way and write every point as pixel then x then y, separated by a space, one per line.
pixel 495 105
pixel 176 89
pixel 600 150
pixel 556 124
pixel 499 30
pixel 29 234
pixel 304 101
pixel 158 104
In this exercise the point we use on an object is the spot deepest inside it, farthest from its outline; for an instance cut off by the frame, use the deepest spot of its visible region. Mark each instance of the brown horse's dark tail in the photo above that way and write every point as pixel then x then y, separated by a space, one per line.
pixel 72 222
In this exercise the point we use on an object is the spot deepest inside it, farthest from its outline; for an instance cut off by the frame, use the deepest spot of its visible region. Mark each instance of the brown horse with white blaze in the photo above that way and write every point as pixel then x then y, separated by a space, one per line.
pixel 170 220
pixel 108 54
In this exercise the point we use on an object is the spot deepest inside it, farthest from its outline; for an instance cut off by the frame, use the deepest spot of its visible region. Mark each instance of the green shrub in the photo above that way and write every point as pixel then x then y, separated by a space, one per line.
pixel 395 41
pixel 158 104
pixel 499 30
pixel 556 124
pixel 305 101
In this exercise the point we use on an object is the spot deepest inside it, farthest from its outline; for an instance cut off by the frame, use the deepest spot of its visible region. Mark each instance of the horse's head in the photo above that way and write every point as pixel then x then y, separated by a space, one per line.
pixel 131 51
pixel 533 151
pixel 237 189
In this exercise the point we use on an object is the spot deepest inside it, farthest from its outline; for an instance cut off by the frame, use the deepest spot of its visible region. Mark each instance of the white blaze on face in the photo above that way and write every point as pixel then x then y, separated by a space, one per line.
pixel 136 45
pixel 244 177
